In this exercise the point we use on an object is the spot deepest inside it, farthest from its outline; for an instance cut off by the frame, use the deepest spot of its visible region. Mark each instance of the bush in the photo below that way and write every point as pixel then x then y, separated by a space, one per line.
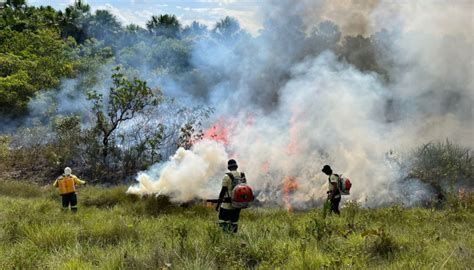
pixel 105 197
pixel 20 189
pixel 153 205
pixel 443 166
pixel 351 209
pixel 460 200
pixel 380 243
pixel 52 237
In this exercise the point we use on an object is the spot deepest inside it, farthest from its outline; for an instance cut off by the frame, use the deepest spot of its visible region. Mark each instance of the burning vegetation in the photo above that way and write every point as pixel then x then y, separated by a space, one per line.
pixel 149 115
pixel 310 88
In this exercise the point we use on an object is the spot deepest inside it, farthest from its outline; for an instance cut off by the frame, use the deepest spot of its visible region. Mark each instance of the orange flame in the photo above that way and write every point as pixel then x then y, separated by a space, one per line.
pixel 218 132
pixel 289 185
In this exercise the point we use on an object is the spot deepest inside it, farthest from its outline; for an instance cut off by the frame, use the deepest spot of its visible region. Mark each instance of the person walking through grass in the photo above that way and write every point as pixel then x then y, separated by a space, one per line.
pixel 66 184
pixel 334 194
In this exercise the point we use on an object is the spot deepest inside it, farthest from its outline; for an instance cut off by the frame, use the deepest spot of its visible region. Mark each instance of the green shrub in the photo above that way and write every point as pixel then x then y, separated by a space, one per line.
pixel 351 209
pixel 23 255
pixel 10 231
pixel 52 237
pixel 321 229
pixel 380 243
pixel 19 189
pixel 460 200
pixel 105 197
pixel 151 206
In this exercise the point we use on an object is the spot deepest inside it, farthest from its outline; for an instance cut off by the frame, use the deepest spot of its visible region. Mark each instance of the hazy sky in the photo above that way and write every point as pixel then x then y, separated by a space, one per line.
pixel 205 11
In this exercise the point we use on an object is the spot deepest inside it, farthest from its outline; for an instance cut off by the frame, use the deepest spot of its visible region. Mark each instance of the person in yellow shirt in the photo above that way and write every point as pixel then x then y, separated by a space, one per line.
pixel 66 184
pixel 229 215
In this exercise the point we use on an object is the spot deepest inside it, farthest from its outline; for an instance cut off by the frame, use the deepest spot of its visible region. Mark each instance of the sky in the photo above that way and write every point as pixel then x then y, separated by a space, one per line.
pixel 207 12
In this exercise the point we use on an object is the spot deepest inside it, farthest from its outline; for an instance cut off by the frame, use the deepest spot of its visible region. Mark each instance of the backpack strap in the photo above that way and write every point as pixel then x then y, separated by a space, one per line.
pixel 242 176
pixel 232 182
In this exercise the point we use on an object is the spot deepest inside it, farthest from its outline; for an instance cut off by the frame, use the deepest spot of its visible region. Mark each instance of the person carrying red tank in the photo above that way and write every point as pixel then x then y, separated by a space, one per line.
pixel 229 209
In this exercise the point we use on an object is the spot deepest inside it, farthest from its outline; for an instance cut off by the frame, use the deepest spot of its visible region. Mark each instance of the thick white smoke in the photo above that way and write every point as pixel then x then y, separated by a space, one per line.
pixel 186 175
pixel 315 109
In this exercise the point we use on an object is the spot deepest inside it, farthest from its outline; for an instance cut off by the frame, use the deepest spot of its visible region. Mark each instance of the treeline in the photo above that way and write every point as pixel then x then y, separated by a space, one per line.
pixel 120 130
pixel 39 46
pixel 53 60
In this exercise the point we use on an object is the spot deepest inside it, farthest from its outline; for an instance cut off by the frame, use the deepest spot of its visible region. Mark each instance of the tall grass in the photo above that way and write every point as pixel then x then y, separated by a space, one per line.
pixel 115 231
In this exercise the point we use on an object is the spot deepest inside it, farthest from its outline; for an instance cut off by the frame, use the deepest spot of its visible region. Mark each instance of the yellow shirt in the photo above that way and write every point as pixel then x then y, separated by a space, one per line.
pixel 67 183
pixel 227 182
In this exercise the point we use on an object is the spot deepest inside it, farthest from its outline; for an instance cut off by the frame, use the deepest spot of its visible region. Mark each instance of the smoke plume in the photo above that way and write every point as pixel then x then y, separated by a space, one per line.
pixel 291 105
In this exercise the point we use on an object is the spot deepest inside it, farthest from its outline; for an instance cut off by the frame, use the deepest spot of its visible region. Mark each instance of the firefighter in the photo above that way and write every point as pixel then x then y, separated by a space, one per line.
pixel 67 189
pixel 229 215
pixel 334 194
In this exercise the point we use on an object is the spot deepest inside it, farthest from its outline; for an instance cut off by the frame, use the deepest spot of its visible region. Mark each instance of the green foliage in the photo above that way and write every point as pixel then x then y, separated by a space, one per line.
pixel 4 143
pixel 105 26
pixel 126 99
pixel 73 21
pixel 380 243
pixel 38 47
pixel 106 198
pixel 352 208
pixel 163 55
pixel 30 61
pixel 164 25
pixel 19 189
pixel 69 138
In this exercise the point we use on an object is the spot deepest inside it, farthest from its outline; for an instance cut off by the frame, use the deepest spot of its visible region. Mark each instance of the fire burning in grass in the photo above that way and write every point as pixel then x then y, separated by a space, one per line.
pixel 289 186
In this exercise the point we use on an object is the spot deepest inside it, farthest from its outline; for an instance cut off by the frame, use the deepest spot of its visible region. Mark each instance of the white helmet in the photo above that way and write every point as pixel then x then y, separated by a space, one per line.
pixel 67 171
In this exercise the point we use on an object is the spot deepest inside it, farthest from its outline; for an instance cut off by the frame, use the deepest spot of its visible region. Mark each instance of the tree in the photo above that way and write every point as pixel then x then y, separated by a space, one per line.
pixel 104 26
pixel 68 140
pixel 442 166
pixel 164 25
pixel 16 4
pixel 73 21
pixel 360 52
pixel 227 28
pixel 195 30
pixel 126 99
pixel 29 62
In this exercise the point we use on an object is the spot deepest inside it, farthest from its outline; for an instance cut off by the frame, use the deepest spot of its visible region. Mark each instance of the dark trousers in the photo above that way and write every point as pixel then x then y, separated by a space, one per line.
pixel 69 199
pixel 228 219
pixel 335 205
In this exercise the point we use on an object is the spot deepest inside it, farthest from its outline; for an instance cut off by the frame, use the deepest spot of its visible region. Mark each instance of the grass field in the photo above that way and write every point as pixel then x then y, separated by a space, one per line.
pixel 116 231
